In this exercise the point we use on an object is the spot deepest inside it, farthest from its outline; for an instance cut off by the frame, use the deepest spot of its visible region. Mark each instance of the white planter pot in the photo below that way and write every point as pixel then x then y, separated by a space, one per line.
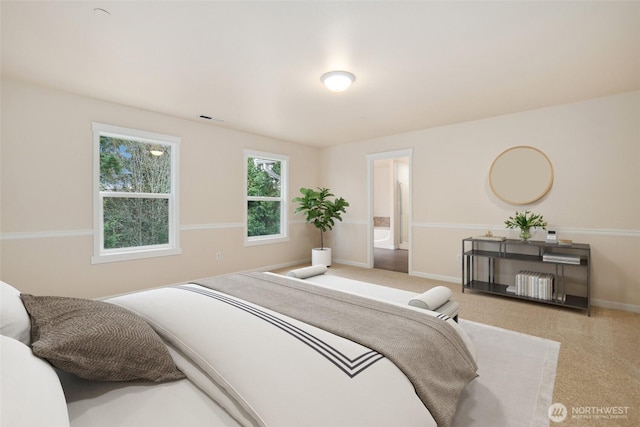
pixel 321 256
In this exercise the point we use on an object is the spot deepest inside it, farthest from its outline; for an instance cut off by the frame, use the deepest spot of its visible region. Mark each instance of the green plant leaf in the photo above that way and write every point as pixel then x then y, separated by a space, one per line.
pixel 319 209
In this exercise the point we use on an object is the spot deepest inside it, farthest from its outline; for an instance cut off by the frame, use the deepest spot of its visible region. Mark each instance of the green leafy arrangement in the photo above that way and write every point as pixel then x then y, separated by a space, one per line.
pixel 525 220
pixel 320 210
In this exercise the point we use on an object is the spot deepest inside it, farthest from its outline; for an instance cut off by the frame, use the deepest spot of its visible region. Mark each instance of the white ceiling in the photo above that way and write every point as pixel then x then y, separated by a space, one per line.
pixel 257 65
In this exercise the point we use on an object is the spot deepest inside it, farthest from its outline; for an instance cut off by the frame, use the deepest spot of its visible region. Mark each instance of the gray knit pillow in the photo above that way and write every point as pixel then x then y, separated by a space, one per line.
pixel 97 340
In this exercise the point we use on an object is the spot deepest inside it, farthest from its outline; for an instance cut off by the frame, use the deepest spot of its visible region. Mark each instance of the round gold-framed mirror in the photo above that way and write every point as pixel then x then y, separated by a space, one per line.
pixel 521 175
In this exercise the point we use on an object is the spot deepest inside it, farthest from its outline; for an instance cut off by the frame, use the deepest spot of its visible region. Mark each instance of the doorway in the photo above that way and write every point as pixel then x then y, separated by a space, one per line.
pixel 390 210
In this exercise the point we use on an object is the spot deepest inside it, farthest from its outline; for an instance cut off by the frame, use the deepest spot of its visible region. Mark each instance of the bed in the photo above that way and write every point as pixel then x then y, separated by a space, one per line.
pixel 254 349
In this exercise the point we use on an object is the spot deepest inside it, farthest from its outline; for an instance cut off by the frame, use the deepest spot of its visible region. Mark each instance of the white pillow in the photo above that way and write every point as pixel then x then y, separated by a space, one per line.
pixel 432 299
pixel 305 272
pixel 14 319
pixel 31 391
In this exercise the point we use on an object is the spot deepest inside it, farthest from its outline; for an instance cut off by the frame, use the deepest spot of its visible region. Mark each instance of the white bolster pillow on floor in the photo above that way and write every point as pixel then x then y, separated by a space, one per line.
pixel 432 299
pixel 304 272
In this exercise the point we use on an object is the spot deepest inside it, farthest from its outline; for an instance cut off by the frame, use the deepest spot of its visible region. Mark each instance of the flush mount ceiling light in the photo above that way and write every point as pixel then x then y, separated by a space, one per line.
pixel 337 81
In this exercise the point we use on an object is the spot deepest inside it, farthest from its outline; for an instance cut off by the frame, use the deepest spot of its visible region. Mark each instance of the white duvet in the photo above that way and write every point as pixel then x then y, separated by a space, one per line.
pixel 267 369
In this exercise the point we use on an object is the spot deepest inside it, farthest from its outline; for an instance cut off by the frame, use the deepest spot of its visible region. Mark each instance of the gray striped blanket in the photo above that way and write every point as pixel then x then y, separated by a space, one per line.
pixel 426 349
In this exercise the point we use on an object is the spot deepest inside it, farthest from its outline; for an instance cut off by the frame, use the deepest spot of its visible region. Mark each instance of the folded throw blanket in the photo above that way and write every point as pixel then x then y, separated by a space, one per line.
pixel 425 348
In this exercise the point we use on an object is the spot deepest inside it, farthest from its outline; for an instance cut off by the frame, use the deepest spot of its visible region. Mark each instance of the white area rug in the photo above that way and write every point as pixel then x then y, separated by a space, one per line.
pixel 517 373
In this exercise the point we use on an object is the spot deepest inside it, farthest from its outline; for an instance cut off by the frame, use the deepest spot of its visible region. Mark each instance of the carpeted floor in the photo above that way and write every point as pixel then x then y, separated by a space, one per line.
pixel 598 366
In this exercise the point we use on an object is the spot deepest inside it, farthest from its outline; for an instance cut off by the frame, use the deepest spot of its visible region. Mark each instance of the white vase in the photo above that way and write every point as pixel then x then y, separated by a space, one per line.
pixel 321 256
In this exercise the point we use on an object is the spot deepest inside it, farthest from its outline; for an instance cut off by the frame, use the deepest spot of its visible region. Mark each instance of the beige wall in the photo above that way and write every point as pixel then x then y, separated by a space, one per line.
pixel 595 150
pixel 46 183
pixel 47 200
pixel 382 188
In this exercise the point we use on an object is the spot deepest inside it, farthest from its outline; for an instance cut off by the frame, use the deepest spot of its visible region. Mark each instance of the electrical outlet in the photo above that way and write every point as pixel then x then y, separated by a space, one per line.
pixel 218 256
pixel 459 257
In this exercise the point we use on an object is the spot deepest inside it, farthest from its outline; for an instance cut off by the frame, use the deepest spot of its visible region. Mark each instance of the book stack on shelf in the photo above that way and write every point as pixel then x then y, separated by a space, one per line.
pixel 561 258
pixel 535 285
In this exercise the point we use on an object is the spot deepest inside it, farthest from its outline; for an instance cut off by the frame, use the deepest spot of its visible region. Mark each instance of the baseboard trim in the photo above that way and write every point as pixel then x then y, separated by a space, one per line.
pixel 438 277
pixel 616 305
pixel 351 263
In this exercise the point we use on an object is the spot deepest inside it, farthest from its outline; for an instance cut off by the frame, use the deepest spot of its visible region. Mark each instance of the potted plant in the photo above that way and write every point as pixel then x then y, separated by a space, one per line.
pixel 322 211
pixel 525 221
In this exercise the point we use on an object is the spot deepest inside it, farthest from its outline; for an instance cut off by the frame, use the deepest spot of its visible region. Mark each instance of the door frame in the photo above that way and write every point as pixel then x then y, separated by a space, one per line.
pixel 387 155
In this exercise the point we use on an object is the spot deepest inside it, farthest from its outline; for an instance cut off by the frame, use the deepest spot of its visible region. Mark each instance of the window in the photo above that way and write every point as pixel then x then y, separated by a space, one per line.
pixel 135 201
pixel 266 198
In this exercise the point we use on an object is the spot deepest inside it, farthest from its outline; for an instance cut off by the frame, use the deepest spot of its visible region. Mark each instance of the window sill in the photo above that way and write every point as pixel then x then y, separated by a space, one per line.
pixel 256 241
pixel 128 256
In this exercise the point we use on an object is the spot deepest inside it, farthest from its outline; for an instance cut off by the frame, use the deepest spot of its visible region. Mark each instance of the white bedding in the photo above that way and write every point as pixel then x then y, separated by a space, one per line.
pixel 249 366
pixel 114 404
pixel 275 377
pixel 369 290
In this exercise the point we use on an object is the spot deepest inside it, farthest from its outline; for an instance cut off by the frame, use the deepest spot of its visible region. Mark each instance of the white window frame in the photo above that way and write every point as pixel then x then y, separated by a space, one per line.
pixel 102 255
pixel 283 236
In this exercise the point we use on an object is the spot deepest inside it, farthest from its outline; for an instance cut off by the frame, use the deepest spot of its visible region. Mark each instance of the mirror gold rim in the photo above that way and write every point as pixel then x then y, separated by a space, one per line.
pixel 521 175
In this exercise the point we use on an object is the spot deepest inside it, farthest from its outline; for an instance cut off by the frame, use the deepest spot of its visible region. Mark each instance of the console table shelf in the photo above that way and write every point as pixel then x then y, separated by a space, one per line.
pixel 482 259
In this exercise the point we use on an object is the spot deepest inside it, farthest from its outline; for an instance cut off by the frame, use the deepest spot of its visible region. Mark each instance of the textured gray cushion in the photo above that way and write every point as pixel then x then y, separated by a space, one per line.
pixel 97 340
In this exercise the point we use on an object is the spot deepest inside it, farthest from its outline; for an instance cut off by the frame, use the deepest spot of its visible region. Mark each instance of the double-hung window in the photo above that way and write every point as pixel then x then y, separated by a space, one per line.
pixel 135 194
pixel 266 197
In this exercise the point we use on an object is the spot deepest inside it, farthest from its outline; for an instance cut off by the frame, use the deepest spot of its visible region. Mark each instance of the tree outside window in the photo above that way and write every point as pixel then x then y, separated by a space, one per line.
pixel 132 167
pixel 265 196
pixel 136 197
